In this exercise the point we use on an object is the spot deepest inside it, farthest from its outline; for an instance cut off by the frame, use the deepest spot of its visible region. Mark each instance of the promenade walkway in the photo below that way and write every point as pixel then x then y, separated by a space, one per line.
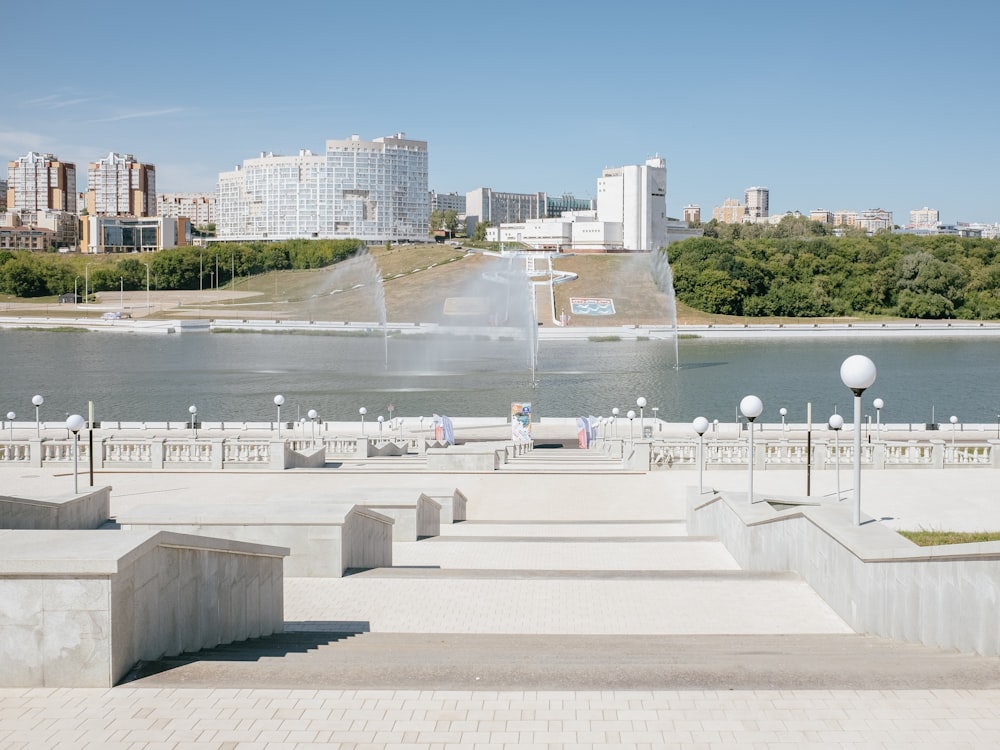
pixel 572 610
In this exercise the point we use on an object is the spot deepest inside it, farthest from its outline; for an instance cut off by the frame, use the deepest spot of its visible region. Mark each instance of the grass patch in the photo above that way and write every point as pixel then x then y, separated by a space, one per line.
pixel 599 339
pixel 936 538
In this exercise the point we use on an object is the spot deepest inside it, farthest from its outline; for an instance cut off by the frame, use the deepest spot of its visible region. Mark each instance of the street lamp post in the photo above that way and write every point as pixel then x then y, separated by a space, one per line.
pixel 147 287
pixel 954 421
pixel 751 407
pixel 783 412
pixel 631 421
pixel 37 400
pixel 10 418
pixel 278 401
pixel 836 424
pixel 641 403
pixel 700 425
pixel 614 421
pixel 121 294
pixel 381 419
pixel 193 411
pixel 75 423
pixel 312 414
pixel 362 411
pixel 655 409
pixel 878 404
pixel 858 373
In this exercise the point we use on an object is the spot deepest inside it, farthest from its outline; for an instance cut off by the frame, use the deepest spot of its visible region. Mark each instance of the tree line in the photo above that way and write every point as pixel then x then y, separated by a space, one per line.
pixel 27 274
pixel 818 275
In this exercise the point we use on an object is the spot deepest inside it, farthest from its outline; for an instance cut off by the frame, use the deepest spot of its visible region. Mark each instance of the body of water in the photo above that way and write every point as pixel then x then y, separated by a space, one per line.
pixel 234 377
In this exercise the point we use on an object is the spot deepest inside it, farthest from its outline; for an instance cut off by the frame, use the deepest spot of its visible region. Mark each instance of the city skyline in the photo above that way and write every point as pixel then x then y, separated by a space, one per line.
pixel 870 107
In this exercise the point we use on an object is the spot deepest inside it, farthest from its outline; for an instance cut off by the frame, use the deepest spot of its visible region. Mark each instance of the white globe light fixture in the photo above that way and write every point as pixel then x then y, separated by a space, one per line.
pixel 751 408
pixel 700 425
pixel 784 413
pixel 193 411
pixel 312 414
pixel 614 421
pixel 641 403
pixel 362 411
pixel 10 418
pixel 879 404
pixel 37 400
pixel 954 421
pixel 858 373
pixel 75 423
pixel 631 421
pixel 836 424
pixel 278 401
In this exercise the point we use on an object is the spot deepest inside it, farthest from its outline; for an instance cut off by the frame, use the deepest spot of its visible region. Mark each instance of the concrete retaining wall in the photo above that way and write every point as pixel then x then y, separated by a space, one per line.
pixel 80 608
pixel 879 582
pixel 464 458
pixel 453 503
pixel 86 511
pixel 324 539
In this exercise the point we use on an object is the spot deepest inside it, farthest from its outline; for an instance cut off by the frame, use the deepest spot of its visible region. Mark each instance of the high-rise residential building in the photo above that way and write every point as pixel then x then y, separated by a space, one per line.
pixel 692 214
pixel 730 212
pixel 636 196
pixel 118 185
pixel 756 200
pixel 924 218
pixel 844 218
pixel 447 202
pixel 37 182
pixel 488 205
pixel 3 195
pixel 198 207
pixel 375 191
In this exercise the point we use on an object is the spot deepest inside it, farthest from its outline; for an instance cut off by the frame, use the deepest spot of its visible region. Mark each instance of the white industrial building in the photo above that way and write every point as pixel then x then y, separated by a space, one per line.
pixel 631 216
pixel 375 191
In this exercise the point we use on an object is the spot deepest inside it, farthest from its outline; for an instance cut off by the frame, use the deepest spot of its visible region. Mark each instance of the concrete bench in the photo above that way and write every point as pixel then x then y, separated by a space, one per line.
pixel 85 511
pixel 415 516
pixel 81 608
pixel 325 538
pixel 475 457
pixel 451 500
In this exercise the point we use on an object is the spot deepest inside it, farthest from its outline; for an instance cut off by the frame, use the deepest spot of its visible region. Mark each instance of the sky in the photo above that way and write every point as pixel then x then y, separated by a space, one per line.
pixel 844 106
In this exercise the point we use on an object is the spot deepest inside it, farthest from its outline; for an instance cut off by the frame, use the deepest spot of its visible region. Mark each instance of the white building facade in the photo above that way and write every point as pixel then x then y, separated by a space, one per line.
pixel 36 182
pixel 636 197
pixel 119 185
pixel 375 191
pixel 198 207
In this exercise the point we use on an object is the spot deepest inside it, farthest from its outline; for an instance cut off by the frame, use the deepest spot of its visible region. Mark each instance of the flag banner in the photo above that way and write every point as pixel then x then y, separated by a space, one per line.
pixel 520 422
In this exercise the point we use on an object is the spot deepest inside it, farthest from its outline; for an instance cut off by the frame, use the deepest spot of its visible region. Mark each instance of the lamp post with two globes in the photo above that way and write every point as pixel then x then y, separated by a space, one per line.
pixel 858 373
pixel 700 425
pixel 751 408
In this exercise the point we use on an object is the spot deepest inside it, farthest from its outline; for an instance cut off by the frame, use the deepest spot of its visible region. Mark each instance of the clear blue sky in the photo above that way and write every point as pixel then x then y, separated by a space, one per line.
pixel 851 105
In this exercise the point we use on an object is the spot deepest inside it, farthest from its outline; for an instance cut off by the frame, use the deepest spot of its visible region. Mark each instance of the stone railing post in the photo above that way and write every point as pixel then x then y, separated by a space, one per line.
pixel 35 451
pixel 878 456
pixel 279 455
pixel 218 453
pixel 994 453
pixel 640 458
pixel 938 447
pixel 157 452
pixel 363 449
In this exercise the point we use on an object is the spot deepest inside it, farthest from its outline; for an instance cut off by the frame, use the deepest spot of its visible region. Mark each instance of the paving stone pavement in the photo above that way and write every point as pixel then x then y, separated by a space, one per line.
pixel 545 622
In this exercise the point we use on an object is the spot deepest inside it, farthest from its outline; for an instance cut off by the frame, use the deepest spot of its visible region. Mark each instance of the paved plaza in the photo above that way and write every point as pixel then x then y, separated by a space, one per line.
pixel 571 610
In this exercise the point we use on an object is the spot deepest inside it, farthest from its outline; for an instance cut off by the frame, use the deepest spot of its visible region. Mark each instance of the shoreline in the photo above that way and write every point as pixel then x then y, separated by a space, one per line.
pixel 711 331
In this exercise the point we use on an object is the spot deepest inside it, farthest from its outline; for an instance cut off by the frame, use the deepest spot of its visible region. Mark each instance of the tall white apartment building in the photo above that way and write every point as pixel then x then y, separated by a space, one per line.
pixel 118 185
pixel 36 182
pixel 636 197
pixel 755 201
pixel 375 191
pixel 924 218
pixel 198 207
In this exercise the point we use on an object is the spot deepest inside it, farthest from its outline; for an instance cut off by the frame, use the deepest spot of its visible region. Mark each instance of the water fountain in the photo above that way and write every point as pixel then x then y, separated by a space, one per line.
pixel 663 276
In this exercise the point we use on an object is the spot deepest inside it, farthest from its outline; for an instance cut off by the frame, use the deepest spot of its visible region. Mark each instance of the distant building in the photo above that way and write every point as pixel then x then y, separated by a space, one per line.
pixel 36 182
pixel 26 238
pixel 3 195
pixel 822 216
pixel 756 208
pixel 118 185
pixel 630 215
pixel 133 234
pixel 874 219
pixel 845 218
pixel 566 202
pixel 730 212
pixel 924 218
pixel 447 202
pixel 488 205
pixel 374 191
pixel 692 214
pixel 198 207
